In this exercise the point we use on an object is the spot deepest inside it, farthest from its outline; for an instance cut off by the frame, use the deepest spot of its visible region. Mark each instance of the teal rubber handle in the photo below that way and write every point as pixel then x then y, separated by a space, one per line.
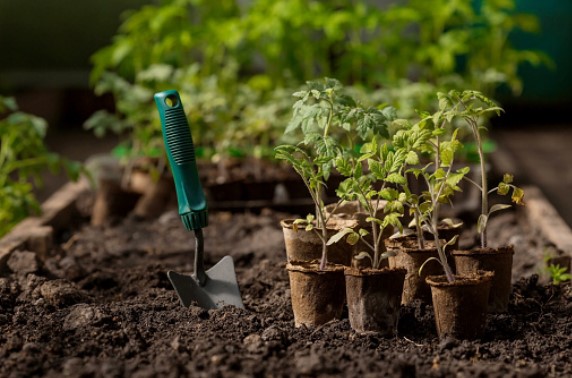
pixel 181 153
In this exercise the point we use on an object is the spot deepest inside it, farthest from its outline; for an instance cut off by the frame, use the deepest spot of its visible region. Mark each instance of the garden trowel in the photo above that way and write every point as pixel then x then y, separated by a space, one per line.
pixel 216 287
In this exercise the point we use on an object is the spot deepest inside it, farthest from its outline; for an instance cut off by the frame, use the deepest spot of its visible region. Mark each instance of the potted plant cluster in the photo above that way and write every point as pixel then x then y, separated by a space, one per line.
pixel 373 289
pixel 470 106
pixel 462 300
pixel 317 288
pixel 377 156
pixel 332 124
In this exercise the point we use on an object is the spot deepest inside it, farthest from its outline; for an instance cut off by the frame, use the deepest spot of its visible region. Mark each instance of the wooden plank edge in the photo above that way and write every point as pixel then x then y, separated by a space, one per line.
pixel 545 223
pixel 57 212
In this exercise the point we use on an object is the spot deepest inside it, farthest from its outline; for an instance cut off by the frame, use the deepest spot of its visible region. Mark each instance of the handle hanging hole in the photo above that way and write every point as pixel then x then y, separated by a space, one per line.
pixel 171 101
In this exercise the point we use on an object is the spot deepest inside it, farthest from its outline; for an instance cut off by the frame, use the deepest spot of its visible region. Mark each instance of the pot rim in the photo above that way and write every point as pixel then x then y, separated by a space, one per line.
pixel 313 267
pixel 333 205
pixel 416 250
pixel 502 250
pixel 356 272
pixel 288 224
pixel 481 276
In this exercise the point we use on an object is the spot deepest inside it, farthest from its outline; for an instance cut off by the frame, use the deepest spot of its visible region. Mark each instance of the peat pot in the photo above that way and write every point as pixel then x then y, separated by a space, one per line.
pixel 350 215
pixel 448 232
pixel 351 211
pixel 497 260
pixel 461 306
pixel 374 297
pixel 411 259
pixel 318 296
pixel 306 246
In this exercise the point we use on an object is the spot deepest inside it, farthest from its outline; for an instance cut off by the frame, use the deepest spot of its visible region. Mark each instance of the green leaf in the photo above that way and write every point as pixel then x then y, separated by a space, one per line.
pixel 450 223
pixel 412 158
pixel 454 179
pixel 339 235
pixel 482 223
pixel 452 241
pixel 517 196
pixel 388 254
pixel 343 166
pixel 362 255
pixel 503 189
pixel 427 261
pixel 352 238
pixel 376 168
pixel 389 194
pixel 375 220
pixel 498 207
pixel 396 178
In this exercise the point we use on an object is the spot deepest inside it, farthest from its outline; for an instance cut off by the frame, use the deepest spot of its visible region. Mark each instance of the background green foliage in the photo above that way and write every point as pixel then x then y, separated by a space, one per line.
pixel 23 157
pixel 230 59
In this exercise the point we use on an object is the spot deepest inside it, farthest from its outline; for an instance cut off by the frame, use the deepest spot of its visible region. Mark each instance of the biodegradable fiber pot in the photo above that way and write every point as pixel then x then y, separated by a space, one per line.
pixel 497 260
pixel 411 259
pixel 306 246
pixel 351 211
pixel 461 306
pixel 447 232
pixel 317 296
pixel 350 215
pixel 373 298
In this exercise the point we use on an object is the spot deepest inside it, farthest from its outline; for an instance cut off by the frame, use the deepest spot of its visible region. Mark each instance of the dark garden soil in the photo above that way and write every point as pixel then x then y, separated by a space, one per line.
pixel 102 306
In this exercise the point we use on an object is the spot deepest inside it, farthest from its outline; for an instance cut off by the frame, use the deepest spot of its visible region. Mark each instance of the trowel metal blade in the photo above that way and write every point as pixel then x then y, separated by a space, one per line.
pixel 221 288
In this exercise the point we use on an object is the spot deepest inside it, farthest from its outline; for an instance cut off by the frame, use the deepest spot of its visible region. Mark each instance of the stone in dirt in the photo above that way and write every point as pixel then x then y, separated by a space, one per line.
pixel 23 262
pixel 61 293
pixel 82 315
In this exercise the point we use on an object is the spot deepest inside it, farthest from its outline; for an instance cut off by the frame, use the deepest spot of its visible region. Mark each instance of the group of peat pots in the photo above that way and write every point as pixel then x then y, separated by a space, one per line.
pixel 482 282
pixel 384 242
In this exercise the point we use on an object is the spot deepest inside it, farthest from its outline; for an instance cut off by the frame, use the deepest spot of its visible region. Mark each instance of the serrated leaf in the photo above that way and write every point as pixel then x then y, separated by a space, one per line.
pixel 389 194
pixel 425 207
pixel 454 179
pixel 396 178
pixel 438 132
pixel 412 158
pixel 376 168
pixel 439 173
